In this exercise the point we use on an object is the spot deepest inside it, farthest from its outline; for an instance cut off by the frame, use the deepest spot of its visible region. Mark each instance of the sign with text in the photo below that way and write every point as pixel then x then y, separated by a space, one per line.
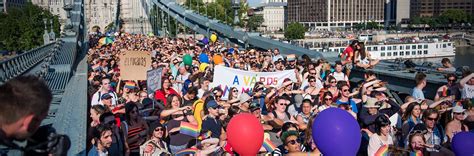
pixel 244 81
pixel 134 65
pixel 154 80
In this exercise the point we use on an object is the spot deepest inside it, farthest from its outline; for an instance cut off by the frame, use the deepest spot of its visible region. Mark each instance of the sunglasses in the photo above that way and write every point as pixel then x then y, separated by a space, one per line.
pixel 312 80
pixel 419 132
pixel 451 80
pixel 431 119
pixel 292 142
pixel 333 82
pixel 282 104
pixel 345 90
pixel 458 113
pixel 218 96
pixel 159 129
pixel 328 99
pixel 235 91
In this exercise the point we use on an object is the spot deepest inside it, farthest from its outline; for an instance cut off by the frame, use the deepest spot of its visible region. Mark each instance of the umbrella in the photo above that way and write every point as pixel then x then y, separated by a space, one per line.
pixel 105 41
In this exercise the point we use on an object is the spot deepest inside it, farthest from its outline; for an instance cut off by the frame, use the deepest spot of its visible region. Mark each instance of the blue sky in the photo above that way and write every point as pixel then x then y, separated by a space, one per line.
pixel 254 2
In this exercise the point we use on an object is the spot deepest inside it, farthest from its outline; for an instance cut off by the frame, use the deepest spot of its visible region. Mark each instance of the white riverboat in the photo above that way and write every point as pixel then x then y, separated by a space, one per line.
pixel 404 50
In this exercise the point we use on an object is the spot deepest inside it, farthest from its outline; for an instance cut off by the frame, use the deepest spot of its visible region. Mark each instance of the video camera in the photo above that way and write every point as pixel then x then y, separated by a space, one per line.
pixel 44 142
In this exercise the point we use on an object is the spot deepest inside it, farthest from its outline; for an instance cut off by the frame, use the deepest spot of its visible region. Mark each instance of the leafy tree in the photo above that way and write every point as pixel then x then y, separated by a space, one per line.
pixel 295 31
pixel 23 28
pixel 456 16
pixel 254 22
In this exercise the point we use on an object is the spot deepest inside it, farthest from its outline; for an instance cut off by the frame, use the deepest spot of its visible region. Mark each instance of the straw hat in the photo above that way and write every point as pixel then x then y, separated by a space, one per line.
pixel 371 103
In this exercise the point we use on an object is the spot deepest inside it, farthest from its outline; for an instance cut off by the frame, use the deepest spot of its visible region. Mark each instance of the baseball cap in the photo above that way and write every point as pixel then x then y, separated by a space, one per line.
pixel 105 96
pixel 212 104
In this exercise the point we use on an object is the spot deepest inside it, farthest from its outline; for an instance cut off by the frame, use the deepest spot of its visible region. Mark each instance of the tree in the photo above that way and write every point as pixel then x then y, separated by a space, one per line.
pixel 254 22
pixel 456 16
pixel 295 31
pixel 23 28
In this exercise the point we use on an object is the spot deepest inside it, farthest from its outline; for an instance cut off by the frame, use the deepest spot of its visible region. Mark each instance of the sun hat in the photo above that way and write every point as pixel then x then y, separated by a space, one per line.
pixel 371 103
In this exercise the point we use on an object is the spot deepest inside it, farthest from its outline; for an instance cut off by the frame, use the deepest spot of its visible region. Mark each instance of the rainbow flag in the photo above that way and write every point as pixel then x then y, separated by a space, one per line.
pixel 189 129
pixel 416 153
pixel 268 145
pixel 129 84
pixel 383 151
pixel 189 151
pixel 205 135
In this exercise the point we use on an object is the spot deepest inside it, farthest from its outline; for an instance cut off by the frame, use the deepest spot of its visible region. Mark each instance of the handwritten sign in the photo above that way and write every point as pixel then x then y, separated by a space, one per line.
pixel 134 65
pixel 154 80
pixel 244 81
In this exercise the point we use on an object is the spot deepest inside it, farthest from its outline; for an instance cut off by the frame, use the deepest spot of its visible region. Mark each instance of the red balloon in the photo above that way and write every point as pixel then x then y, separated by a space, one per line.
pixel 245 134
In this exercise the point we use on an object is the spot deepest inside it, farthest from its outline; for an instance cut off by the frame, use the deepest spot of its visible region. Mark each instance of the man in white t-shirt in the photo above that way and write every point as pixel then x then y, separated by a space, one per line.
pixel 467 86
pixel 338 74
pixel 104 89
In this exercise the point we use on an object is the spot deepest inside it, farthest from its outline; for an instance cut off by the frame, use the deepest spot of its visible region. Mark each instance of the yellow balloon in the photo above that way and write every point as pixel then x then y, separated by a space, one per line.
pixel 203 67
pixel 213 37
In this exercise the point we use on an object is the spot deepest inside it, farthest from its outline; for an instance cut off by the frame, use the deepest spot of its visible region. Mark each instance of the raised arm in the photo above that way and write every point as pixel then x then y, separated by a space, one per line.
pixel 464 80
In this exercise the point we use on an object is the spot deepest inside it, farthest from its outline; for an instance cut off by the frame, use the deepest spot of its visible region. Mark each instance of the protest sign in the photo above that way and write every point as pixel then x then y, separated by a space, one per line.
pixel 134 65
pixel 154 80
pixel 226 78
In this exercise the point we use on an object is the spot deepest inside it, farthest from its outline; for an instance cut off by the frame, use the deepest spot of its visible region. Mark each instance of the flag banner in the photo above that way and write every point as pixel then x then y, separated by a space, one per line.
pixel 244 81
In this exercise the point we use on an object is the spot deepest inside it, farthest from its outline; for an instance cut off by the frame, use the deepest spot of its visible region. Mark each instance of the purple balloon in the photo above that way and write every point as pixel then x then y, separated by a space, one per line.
pixel 205 40
pixel 463 143
pixel 336 133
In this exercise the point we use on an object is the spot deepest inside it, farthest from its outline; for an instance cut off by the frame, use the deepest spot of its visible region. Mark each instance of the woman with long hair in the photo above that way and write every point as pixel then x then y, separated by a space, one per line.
pixel 313 90
pixel 410 118
pixel 136 128
pixel 155 145
pixel 175 114
pixel 332 87
pixel 96 111
pixel 362 58
pixel 233 96
pixel 381 137
pixel 326 101
pixel 165 91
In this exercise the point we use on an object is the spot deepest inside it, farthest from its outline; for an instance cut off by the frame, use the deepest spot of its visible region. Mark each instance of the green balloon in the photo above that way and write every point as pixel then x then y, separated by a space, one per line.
pixel 187 59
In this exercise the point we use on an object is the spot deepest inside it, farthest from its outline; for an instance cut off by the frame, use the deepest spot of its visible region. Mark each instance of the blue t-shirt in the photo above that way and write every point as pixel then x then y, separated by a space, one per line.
pixel 213 125
pixel 350 102
pixel 417 94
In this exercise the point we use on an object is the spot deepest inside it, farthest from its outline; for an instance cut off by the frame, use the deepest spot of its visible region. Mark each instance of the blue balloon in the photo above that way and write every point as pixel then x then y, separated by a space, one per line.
pixel 463 143
pixel 336 133
pixel 203 58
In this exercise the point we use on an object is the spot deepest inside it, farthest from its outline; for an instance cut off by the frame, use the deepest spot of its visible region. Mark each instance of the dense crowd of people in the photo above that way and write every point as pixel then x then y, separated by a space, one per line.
pixel 128 119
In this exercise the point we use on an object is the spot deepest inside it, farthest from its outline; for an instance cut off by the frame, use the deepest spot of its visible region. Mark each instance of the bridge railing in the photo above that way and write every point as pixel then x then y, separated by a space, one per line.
pixel 225 32
pixel 20 64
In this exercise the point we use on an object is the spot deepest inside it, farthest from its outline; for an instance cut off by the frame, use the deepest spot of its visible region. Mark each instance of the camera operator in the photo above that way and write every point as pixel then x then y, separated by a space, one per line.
pixel 24 103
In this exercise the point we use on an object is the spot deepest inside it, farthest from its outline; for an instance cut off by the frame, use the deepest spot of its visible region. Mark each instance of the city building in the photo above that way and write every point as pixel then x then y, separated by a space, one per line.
pixel 100 13
pixel 135 15
pixel 55 7
pixel 6 4
pixel 433 8
pixel 333 14
pixel 402 10
pixel 2 6
pixel 274 16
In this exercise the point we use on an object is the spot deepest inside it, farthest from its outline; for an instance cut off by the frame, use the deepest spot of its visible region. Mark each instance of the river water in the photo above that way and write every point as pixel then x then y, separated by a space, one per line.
pixel 464 57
